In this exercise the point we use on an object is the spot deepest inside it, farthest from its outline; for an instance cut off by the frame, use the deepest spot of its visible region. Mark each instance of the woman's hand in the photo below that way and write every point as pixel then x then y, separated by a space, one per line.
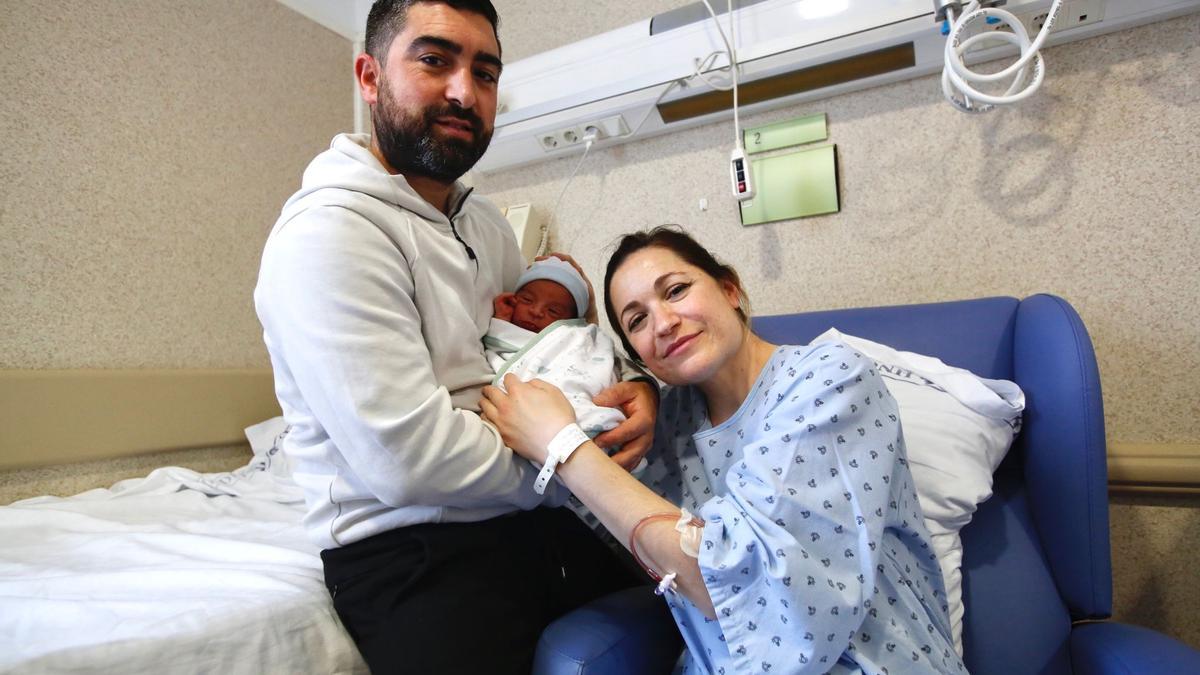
pixel 637 400
pixel 528 416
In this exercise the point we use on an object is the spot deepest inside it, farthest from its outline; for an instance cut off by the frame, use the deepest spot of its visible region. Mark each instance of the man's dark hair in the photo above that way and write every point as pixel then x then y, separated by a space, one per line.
pixel 387 17
pixel 674 239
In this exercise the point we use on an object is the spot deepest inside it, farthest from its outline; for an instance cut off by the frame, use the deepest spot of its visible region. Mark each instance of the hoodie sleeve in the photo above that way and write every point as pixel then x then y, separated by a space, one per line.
pixel 336 301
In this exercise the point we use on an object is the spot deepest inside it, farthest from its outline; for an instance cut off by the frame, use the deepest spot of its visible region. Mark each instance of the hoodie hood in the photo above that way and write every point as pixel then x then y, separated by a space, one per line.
pixel 348 164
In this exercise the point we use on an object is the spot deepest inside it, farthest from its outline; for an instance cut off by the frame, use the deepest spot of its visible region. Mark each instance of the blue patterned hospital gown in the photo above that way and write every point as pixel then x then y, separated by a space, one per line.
pixel 814 551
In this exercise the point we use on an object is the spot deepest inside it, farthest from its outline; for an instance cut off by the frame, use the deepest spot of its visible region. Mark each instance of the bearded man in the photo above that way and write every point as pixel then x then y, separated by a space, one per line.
pixel 374 293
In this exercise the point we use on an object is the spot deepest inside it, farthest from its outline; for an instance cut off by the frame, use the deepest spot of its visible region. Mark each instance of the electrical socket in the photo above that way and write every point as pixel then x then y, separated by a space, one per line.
pixel 1073 14
pixel 576 135
pixel 1037 21
pixel 999 25
pixel 561 139
pixel 1082 13
pixel 610 126
pixel 984 27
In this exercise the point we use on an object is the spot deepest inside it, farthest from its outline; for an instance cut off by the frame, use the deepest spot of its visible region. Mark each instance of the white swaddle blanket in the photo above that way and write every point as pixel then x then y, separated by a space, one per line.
pixel 572 355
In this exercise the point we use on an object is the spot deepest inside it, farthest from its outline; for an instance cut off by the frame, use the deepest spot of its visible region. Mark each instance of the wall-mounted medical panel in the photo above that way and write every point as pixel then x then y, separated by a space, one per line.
pixel 794 185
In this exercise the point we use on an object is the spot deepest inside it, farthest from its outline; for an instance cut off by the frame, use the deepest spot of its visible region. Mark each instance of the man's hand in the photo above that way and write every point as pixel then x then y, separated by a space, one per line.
pixel 591 316
pixel 504 305
pixel 635 435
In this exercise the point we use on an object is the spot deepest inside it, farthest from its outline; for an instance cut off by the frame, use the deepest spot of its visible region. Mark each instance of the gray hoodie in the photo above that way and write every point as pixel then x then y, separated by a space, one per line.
pixel 374 305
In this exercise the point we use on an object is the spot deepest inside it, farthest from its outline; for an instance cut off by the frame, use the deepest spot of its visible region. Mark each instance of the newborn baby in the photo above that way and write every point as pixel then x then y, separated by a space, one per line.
pixel 536 333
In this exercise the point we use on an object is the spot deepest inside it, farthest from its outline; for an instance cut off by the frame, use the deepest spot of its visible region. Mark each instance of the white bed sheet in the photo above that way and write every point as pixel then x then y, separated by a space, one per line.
pixel 178 572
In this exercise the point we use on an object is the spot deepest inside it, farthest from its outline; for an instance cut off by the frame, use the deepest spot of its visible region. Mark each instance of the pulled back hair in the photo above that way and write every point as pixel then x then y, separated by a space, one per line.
pixel 387 18
pixel 674 239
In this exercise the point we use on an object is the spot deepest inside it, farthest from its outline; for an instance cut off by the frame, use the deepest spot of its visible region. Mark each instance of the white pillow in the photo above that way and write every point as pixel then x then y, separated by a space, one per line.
pixel 266 441
pixel 957 428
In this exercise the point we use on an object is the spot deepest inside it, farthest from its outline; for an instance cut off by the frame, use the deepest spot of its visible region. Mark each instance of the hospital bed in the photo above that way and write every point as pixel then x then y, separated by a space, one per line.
pixel 177 572
pixel 1037 574
pixel 187 572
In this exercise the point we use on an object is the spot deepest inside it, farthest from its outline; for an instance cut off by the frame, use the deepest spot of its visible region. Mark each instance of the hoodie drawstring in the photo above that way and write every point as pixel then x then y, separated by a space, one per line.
pixel 457 208
pixel 470 251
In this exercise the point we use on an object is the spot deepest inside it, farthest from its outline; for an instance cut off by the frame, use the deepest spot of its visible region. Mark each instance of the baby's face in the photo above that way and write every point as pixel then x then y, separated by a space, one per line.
pixel 540 303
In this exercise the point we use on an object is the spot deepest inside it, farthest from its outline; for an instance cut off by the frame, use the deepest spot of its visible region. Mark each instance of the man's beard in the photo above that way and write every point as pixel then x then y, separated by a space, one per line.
pixel 409 145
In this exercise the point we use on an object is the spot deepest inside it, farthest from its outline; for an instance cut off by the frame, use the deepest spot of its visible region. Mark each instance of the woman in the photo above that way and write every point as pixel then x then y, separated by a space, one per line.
pixel 810 553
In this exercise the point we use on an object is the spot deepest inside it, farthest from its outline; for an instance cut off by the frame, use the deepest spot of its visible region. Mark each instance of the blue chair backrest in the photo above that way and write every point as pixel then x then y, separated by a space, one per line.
pixel 1036 554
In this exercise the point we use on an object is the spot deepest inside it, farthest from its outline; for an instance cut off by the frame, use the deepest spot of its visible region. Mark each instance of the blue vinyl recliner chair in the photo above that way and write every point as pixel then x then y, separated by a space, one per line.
pixel 1037 572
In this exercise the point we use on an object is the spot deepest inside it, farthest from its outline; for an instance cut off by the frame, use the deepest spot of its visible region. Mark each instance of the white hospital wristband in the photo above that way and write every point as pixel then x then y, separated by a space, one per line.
pixel 560 448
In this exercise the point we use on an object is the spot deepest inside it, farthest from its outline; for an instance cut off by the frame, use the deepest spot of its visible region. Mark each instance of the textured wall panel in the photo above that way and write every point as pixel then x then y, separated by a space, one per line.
pixel 148 147
pixel 1087 190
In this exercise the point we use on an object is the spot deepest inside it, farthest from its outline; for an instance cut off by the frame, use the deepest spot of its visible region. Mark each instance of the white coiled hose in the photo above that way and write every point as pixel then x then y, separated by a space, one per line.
pixel 958 81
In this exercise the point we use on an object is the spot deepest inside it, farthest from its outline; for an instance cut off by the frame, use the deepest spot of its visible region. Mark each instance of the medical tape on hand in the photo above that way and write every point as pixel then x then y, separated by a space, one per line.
pixel 565 442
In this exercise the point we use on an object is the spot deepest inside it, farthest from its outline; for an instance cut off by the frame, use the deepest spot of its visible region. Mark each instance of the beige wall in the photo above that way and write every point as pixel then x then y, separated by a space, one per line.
pixel 1087 190
pixel 528 27
pixel 148 147
pixel 1155 579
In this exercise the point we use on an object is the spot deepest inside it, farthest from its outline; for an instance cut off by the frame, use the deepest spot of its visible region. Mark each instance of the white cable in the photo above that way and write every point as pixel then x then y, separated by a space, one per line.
pixel 958 80
pixel 737 133
pixel 700 65
pixel 737 124
pixel 589 139
pixel 703 65
pixel 653 107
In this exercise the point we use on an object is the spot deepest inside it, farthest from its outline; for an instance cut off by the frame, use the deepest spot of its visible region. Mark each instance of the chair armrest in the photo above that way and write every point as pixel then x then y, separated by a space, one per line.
pixel 629 632
pixel 1120 649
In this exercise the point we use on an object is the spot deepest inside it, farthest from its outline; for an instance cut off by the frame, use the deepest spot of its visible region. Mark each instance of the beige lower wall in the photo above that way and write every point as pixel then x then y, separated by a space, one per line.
pixel 64 480
pixel 1154 467
pixel 61 416
pixel 1156 582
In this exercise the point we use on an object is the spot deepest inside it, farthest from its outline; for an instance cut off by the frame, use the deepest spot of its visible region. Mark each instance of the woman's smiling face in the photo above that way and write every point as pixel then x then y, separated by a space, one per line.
pixel 682 322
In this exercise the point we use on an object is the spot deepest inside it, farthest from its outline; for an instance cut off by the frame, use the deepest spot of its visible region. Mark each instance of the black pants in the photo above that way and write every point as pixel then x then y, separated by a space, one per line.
pixel 470 598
